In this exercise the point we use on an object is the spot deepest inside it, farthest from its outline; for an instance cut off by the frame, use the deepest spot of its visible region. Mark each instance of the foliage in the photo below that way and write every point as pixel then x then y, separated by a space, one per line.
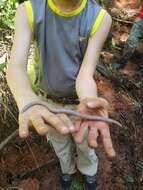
pixel 7 13
pixel 139 167
pixel 2 66
pixel 77 185
pixel 104 3
pixel 130 179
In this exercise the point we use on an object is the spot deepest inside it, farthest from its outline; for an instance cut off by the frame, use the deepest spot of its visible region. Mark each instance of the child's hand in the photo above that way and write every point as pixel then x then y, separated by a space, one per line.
pixel 98 106
pixel 41 119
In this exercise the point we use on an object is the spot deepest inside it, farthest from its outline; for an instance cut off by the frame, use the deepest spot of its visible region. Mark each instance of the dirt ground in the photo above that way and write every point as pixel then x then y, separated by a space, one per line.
pixel 19 159
pixel 125 172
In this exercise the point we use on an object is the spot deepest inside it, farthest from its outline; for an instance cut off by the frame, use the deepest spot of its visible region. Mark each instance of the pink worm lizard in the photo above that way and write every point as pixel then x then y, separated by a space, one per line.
pixel 73 113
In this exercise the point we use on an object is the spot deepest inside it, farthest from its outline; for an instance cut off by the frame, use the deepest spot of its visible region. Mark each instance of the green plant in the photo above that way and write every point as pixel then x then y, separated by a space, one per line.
pixel 77 185
pixel 130 179
pixel 7 13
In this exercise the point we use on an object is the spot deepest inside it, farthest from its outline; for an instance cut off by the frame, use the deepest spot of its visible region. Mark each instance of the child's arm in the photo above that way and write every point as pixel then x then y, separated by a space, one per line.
pixel 37 116
pixel 17 69
pixel 85 83
pixel 87 91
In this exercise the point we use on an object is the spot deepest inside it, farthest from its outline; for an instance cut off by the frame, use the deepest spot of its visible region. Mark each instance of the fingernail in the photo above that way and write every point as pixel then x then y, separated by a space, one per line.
pixel 91 104
pixel 72 128
pixel 78 141
pixel 65 130
pixel 23 135
pixel 112 153
pixel 43 129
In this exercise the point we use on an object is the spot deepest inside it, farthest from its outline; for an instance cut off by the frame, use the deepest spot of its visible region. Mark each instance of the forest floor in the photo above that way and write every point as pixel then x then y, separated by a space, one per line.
pixel 20 158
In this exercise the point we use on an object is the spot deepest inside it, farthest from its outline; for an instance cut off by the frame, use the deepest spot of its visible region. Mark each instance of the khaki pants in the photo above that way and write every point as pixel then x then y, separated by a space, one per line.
pixel 71 154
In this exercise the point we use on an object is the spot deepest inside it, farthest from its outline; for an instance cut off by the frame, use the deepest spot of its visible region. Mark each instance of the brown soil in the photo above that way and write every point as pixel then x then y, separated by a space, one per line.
pixel 20 157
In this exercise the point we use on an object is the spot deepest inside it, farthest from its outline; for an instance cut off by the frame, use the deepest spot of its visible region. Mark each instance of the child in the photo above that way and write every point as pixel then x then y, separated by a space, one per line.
pixel 69 36
pixel 132 42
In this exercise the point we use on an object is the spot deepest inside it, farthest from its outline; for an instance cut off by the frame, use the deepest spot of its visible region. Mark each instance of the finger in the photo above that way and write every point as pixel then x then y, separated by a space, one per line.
pixel 79 136
pixel 56 122
pixel 67 122
pixel 77 124
pixel 92 137
pixel 102 112
pixel 101 125
pixel 106 137
pixel 39 125
pixel 23 127
pixel 97 103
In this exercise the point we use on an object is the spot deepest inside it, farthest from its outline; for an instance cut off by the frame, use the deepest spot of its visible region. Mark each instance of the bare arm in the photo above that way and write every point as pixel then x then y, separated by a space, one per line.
pixel 17 76
pixel 86 89
pixel 85 84
pixel 37 116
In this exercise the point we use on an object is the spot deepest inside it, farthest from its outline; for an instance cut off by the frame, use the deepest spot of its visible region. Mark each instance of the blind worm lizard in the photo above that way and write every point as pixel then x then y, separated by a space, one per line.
pixel 73 113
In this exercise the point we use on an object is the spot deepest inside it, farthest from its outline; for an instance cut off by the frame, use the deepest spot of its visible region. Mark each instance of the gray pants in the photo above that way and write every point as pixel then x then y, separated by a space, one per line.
pixel 71 154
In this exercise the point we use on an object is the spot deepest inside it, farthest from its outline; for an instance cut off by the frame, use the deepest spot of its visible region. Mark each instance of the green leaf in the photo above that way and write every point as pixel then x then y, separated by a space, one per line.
pixel 77 185
pixel 130 179
pixel 113 43
pixel 139 167
pixel 2 66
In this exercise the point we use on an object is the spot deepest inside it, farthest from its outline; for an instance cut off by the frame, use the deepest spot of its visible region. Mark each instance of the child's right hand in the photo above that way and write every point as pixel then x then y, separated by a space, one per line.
pixel 41 119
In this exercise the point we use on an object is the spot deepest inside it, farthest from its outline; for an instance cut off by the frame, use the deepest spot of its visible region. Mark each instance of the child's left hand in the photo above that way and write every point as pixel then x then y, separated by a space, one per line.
pixel 92 106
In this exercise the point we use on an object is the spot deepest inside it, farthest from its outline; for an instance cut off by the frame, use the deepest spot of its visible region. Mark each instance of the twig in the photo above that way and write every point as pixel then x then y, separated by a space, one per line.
pixel 35 171
pixel 123 21
pixel 14 134
pixel 8 139
pixel 120 80
pixel 125 82
pixel 32 153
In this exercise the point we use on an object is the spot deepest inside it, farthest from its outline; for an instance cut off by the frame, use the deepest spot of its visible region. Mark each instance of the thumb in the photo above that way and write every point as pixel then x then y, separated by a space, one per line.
pixel 98 103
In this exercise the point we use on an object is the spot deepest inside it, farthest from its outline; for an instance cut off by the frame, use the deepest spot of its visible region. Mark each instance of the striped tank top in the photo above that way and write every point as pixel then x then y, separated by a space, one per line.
pixel 61 39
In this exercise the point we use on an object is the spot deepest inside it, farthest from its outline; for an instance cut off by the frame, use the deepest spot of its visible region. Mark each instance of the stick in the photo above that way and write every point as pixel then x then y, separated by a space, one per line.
pixel 119 79
pixel 125 82
pixel 33 172
pixel 8 139
pixel 123 21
